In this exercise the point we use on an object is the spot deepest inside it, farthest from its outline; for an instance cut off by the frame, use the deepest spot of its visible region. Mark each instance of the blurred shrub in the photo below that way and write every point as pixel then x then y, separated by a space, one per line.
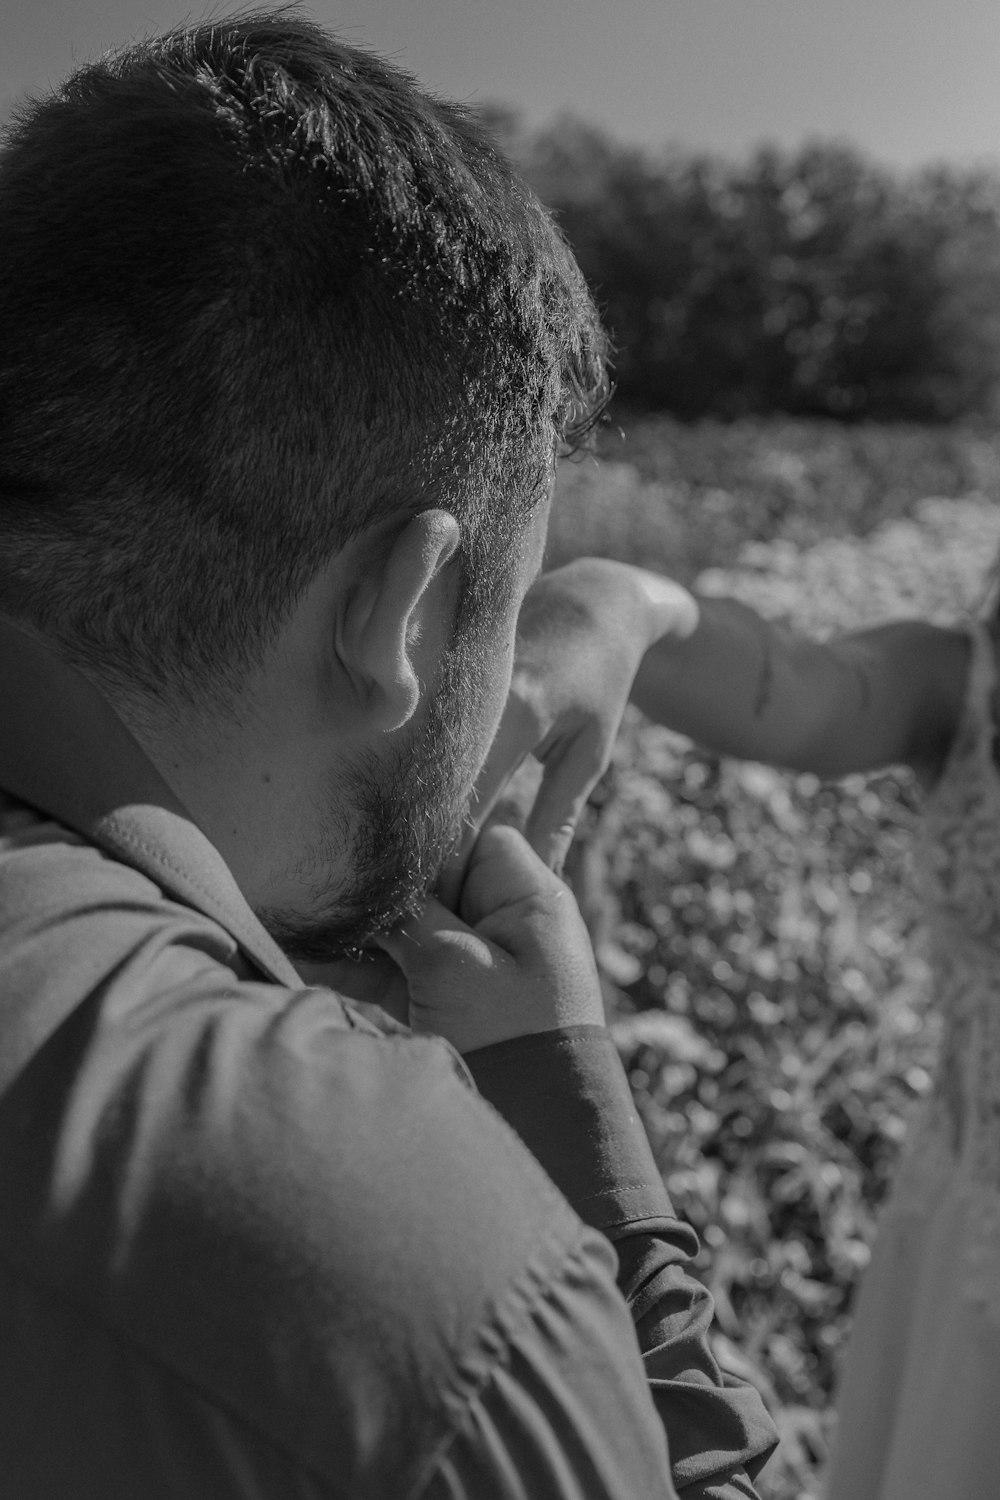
pixel 683 497
pixel 812 282
pixel 769 994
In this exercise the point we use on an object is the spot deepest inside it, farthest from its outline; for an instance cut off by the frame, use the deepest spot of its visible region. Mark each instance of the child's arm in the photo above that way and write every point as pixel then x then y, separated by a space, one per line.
pixel 594 633
pixel 743 686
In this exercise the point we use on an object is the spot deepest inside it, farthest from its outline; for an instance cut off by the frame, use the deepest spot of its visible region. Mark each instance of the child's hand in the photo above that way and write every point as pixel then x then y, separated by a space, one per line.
pixel 581 635
pixel 517 960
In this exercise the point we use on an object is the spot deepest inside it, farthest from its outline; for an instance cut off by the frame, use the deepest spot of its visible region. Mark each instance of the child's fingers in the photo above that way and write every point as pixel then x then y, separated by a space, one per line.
pixel 514 740
pixel 524 965
pixel 516 737
pixel 569 775
pixel 419 940
pixel 503 873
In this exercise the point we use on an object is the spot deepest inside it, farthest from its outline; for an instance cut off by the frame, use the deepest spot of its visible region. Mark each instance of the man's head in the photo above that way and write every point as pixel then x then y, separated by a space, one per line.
pixel 263 299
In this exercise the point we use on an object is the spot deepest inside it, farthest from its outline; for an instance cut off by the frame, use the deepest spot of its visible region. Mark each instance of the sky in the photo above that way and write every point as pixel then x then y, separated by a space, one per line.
pixel 909 81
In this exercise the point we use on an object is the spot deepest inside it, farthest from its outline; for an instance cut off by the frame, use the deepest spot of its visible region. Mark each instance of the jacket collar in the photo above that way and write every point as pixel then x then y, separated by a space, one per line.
pixel 65 751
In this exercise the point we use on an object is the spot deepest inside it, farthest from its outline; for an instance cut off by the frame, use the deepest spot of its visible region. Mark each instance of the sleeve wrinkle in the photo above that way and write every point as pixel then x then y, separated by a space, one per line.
pixel 563 1410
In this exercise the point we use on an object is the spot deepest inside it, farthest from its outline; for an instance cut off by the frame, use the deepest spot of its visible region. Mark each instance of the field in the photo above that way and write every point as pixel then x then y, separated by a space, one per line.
pixel 757 931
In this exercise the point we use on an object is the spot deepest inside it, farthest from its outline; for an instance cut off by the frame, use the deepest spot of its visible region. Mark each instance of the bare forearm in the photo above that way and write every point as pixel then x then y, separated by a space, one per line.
pixel 728 685
pixel 742 686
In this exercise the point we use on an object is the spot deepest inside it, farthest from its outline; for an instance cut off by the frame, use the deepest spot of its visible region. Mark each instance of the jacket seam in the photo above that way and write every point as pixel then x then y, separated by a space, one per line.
pixel 234 927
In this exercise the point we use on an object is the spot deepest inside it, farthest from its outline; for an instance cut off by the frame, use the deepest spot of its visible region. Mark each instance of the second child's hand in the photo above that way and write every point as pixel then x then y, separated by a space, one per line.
pixel 515 960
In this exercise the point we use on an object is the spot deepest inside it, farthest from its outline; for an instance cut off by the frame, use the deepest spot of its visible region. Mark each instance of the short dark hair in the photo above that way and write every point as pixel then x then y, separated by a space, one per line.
pixel 258 291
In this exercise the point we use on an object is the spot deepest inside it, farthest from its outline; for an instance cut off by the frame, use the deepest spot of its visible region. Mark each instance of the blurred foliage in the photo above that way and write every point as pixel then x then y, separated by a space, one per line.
pixel 757 931
pixel 682 497
pixel 813 282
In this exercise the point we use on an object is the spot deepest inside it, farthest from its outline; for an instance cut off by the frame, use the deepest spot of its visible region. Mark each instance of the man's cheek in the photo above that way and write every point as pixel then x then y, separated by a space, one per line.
pixel 496 693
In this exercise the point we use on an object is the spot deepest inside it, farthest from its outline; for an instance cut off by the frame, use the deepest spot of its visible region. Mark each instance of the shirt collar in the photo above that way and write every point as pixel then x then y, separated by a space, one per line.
pixel 65 751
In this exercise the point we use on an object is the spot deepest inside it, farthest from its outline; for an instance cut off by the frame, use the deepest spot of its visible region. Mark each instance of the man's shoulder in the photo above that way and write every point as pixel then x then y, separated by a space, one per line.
pixel 62 897
pixel 320 1226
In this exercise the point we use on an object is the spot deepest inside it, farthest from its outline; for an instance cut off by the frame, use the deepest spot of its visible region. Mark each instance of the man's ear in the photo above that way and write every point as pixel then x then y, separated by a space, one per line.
pixel 400 617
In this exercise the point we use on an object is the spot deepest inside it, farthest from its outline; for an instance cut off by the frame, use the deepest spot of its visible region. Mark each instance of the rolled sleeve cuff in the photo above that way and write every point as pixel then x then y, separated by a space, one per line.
pixel 566 1094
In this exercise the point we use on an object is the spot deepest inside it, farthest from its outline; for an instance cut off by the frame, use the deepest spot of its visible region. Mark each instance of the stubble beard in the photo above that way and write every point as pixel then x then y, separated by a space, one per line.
pixel 400 817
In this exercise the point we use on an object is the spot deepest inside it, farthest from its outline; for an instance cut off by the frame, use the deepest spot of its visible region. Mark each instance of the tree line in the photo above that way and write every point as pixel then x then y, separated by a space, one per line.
pixel 814 282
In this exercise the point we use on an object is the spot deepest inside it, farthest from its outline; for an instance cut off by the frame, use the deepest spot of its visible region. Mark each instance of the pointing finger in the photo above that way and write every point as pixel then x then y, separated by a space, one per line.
pixel 568 778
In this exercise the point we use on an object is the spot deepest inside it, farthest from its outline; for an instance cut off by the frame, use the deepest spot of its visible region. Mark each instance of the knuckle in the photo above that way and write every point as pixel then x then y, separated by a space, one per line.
pixel 552 908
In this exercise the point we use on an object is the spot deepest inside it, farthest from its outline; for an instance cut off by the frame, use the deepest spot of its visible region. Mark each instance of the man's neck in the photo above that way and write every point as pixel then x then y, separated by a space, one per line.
pixel 231 780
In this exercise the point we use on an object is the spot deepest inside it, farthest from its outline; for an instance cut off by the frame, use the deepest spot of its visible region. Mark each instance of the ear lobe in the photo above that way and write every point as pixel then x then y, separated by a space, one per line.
pixel 401 616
